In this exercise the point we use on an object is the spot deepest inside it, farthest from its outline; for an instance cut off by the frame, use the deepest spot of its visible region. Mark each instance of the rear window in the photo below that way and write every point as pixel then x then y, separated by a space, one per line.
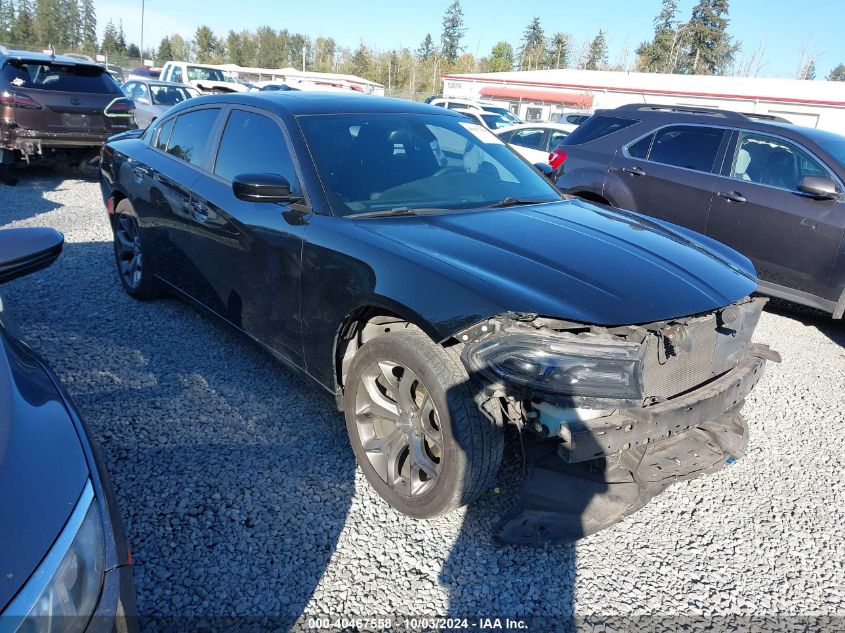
pixel 60 77
pixel 597 126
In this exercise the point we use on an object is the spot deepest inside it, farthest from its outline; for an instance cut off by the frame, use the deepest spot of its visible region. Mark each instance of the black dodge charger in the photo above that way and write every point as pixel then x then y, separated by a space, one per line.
pixel 441 288
pixel 64 563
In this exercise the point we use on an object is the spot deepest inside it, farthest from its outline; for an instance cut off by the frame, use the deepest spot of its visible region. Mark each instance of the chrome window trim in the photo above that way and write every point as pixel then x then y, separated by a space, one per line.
pixel 739 130
pixel 654 131
pixel 22 603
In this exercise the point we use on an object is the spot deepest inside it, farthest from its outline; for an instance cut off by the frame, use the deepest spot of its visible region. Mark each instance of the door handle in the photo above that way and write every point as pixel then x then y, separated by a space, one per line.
pixel 732 196
pixel 199 210
pixel 633 171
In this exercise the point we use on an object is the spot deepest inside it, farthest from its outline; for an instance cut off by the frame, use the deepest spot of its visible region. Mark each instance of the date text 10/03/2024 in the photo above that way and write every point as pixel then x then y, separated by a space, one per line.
pixel 417 624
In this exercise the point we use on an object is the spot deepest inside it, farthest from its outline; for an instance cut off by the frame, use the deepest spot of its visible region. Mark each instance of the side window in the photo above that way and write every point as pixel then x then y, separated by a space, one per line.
pixel 253 143
pixel 128 89
pixel 689 146
pixel 556 138
pixel 190 135
pixel 532 138
pixel 641 147
pixel 176 75
pixel 771 161
pixel 141 92
pixel 163 134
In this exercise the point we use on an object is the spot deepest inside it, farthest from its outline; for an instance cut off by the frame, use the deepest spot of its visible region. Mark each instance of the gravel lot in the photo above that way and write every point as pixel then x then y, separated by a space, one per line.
pixel 240 495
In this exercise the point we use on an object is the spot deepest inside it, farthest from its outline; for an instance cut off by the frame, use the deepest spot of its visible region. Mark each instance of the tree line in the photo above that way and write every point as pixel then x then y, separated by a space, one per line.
pixel 699 44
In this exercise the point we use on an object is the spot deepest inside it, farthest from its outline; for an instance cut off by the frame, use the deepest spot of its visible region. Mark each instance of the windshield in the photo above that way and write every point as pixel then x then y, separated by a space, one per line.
pixel 503 112
pixel 168 95
pixel 375 162
pixel 61 77
pixel 495 121
pixel 198 73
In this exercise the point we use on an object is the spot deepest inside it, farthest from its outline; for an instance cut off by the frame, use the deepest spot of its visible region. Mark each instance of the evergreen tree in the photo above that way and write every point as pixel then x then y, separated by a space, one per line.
pixel 205 45
pixel 596 53
pixel 453 32
pixel 165 52
pixel 837 74
pixel 71 24
pixel 532 51
pixel 360 61
pixel 110 44
pixel 23 29
pixel 658 55
pixel 709 48
pixel 88 26
pixel 133 52
pixel 121 39
pixel 557 52
pixel 426 49
pixel 501 58
pixel 48 23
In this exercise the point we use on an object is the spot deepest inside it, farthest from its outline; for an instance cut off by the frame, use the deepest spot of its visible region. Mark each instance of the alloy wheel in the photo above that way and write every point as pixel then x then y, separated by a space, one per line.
pixel 399 428
pixel 128 249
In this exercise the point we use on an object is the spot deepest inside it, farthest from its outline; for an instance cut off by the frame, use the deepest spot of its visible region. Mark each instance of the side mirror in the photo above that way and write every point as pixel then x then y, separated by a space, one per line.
pixel 263 188
pixel 819 187
pixel 545 169
pixel 24 251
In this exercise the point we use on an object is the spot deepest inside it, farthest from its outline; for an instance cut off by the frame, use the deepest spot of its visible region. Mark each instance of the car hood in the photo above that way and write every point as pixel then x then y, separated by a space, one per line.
pixel 42 465
pixel 577 261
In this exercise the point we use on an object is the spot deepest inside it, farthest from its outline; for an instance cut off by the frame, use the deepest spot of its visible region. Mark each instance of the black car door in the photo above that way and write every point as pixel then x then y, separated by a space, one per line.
pixel 162 182
pixel 792 238
pixel 670 174
pixel 250 252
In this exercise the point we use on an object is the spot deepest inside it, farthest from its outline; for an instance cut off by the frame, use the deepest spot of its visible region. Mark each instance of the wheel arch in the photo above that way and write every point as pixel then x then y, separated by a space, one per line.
pixel 369 319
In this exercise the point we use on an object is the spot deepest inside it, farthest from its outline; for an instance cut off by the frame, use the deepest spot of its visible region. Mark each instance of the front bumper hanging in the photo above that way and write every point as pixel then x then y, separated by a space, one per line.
pixel 600 471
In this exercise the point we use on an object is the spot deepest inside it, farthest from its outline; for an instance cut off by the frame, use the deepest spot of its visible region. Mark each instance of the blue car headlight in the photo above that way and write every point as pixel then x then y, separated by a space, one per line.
pixel 583 367
pixel 62 594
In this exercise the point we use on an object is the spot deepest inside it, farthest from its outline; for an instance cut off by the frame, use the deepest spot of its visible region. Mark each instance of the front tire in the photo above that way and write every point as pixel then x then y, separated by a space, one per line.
pixel 413 418
pixel 133 267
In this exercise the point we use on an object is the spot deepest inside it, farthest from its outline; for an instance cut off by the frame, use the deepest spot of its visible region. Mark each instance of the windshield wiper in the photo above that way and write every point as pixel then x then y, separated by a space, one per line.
pixel 513 202
pixel 384 213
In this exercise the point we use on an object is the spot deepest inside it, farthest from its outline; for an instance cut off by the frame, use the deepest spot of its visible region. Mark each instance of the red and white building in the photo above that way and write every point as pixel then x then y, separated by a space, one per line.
pixel 544 94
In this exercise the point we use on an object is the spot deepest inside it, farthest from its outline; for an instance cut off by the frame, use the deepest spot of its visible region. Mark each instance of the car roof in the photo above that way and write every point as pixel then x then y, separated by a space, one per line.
pixel 563 127
pixel 299 103
pixel 7 54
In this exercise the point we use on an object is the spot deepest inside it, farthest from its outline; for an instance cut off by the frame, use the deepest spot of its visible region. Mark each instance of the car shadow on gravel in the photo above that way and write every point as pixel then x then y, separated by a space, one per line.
pixel 27 198
pixel 834 329
pixel 233 476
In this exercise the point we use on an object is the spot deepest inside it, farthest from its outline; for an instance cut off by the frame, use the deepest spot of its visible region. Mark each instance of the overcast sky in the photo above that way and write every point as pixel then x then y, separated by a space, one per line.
pixel 773 27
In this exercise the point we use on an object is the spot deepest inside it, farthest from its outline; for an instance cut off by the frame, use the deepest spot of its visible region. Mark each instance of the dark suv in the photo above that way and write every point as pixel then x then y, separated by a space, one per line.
pixel 771 190
pixel 57 108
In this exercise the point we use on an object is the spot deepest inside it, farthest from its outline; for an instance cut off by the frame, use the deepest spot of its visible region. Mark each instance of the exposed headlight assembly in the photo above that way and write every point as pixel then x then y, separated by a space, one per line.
pixel 585 368
pixel 62 594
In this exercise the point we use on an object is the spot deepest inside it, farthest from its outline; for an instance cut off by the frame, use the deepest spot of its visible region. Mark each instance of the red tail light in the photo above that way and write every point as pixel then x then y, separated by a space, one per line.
pixel 557 157
pixel 18 100
pixel 120 107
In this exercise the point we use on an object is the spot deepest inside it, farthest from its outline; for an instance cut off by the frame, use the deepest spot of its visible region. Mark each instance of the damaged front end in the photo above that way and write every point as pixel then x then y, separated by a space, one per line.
pixel 617 414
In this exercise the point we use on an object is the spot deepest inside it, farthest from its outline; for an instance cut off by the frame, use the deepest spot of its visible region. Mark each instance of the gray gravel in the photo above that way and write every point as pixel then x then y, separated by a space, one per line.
pixel 240 495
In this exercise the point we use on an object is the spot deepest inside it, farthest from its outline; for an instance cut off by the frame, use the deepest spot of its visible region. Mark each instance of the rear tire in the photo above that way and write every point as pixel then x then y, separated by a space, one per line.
pixel 133 265
pixel 413 418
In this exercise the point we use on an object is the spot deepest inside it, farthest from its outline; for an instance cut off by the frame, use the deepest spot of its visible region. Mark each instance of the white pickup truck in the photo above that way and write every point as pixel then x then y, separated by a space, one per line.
pixel 205 78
